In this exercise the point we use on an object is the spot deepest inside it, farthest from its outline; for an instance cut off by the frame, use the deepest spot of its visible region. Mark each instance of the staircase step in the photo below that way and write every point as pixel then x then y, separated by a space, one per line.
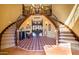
pixel 8 35
pixel 63 30
pixel 7 45
pixel 9 32
pixel 69 41
pixel 12 28
pixel 8 38
pixel 70 34
pixel 67 35
pixel 75 46
pixel 7 42
pixel 63 37
pixel 66 32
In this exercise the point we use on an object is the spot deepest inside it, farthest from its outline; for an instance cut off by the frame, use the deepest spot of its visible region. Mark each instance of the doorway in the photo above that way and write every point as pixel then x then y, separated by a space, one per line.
pixel 37 28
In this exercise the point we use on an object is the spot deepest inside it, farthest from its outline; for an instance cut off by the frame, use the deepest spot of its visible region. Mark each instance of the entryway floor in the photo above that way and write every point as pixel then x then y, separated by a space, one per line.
pixel 36 44
pixel 32 46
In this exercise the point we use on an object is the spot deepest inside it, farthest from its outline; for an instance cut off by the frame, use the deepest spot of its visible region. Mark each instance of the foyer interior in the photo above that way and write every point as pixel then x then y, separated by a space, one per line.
pixel 39 29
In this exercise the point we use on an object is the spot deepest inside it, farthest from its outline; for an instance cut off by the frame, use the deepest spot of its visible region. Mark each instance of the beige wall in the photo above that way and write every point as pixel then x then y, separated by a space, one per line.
pixel 76 27
pixel 9 14
pixel 62 11
pixel 51 34
pixel 25 24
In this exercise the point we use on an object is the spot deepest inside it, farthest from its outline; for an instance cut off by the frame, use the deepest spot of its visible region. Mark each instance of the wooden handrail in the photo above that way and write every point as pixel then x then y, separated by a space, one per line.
pixel 57 20
pixel 56 27
pixel 50 18
pixel 4 31
pixel 18 19
pixel 18 24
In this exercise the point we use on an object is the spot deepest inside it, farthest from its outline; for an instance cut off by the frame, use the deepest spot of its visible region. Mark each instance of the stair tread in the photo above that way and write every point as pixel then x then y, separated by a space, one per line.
pixel 65 34
pixel 75 46
pixel 70 41
pixel 66 37
pixel 64 30
pixel 8 35
pixel 9 32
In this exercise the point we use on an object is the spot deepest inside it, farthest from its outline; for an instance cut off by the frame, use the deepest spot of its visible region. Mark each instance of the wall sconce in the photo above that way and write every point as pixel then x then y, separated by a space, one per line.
pixel 46 24
pixel 28 24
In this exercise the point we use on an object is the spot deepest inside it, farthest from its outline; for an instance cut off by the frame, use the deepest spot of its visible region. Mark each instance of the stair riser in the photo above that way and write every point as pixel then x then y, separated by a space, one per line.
pixel 10 30
pixel 7 45
pixel 65 32
pixel 8 35
pixel 8 42
pixel 68 42
pixel 8 38
pixel 66 36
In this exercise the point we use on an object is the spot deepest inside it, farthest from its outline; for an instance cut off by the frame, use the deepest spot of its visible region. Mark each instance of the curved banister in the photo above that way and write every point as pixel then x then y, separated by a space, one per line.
pixel 56 26
pixel 52 19
pixel 56 19
pixel 20 18
pixel 4 31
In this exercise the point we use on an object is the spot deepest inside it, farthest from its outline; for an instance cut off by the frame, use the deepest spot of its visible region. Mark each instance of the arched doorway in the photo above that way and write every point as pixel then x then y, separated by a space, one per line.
pixel 37 27
pixel 30 37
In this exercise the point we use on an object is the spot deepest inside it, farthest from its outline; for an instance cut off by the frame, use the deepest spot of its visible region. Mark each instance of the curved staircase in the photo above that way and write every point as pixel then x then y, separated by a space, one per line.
pixel 65 34
pixel 8 37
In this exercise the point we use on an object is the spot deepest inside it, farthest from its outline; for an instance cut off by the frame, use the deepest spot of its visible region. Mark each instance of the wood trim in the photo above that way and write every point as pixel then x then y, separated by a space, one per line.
pixel 56 27
pixel 9 26
pixel 4 31
pixel 52 22
pixel 18 24
pixel 57 20
pixel 44 15
pixel 70 30
pixel 23 9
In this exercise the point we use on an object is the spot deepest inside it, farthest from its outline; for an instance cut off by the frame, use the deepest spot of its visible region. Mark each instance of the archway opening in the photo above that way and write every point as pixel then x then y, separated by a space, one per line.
pixel 36 32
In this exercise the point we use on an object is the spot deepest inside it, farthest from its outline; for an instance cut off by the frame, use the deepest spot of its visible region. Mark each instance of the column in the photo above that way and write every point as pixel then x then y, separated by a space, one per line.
pixel 24 34
pixel 57 37
pixel 17 37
